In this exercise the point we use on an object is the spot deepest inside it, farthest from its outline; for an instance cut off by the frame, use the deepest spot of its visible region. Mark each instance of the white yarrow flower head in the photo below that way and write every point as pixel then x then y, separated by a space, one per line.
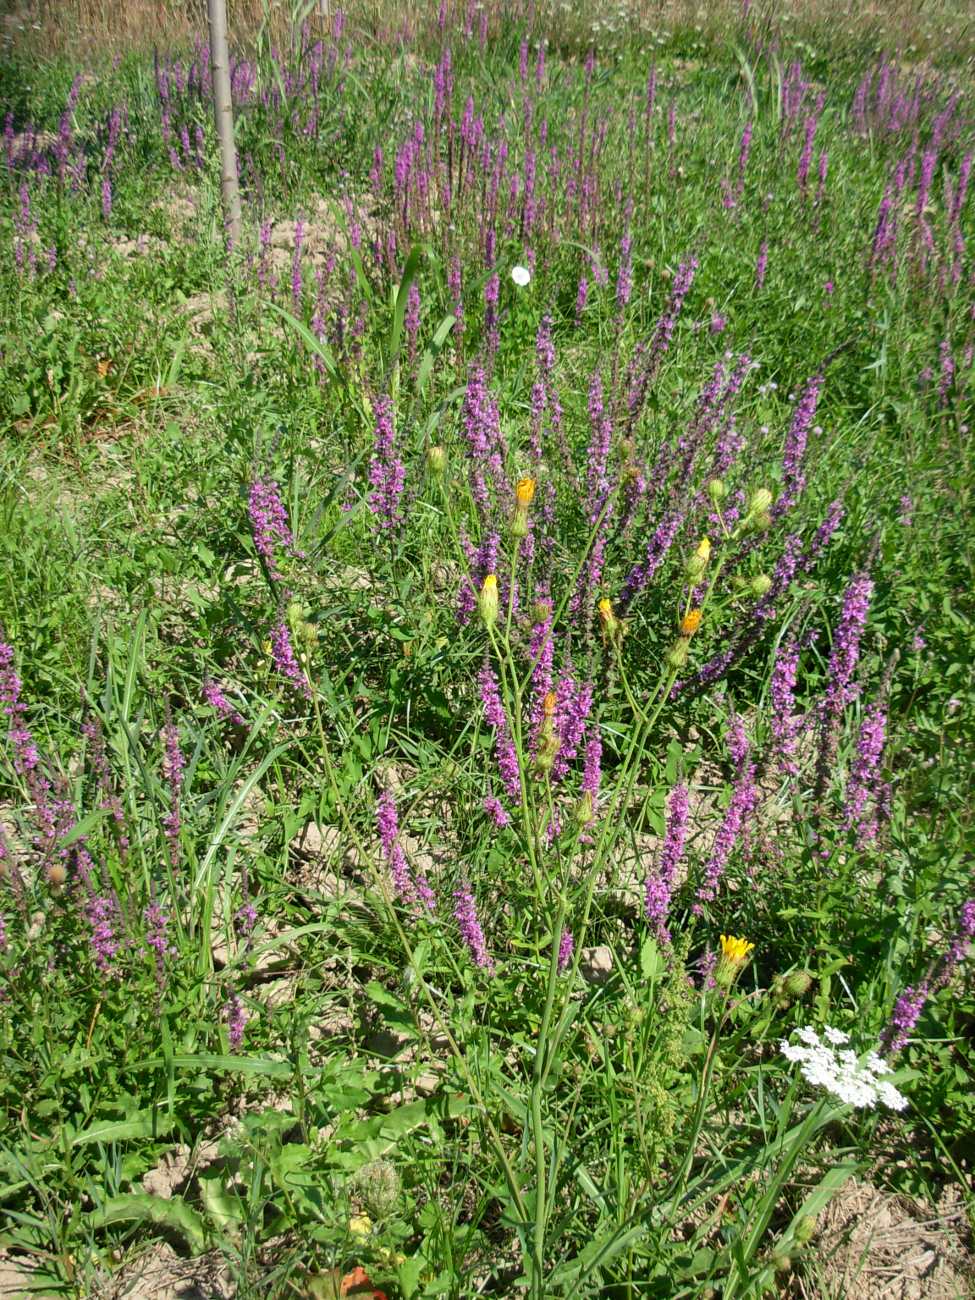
pixel 521 276
pixel 838 1071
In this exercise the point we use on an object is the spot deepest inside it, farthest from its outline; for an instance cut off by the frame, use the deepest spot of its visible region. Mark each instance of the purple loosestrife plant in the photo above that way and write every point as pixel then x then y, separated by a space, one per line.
pixel 465 914
pixel 236 1019
pixel 214 695
pixel 285 660
pixel 504 747
pixel 864 774
pixel 793 473
pixel 387 474
pixel 744 800
pixel 659 885
pixel 387 823
pixel 786 720
pixel 566 949
pixel 269 524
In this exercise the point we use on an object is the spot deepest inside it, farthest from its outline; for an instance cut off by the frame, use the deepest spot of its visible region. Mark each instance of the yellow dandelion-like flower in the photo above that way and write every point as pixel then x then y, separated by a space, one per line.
pixel 735 950
pixel 525 491
pixel 703 551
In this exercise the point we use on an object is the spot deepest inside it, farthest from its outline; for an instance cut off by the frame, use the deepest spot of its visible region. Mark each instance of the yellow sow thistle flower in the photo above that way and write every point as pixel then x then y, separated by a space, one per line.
pixel 734 954
pixel 735 950
pixel 525 491
pixel 360 1225
pixel 487 601
pixel 690 622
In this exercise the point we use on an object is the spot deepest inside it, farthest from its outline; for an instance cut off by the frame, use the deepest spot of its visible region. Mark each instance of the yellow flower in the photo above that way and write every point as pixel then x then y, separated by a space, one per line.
pixel 735 950
pixel 703 551
pixel 612 626
pixel 525 491
pixel 548 703
pixel 690 622
pixel 360 1225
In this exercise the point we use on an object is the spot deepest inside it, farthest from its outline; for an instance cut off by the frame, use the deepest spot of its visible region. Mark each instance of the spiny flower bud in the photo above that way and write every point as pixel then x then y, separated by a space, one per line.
pixel 677 655
pixel 436 460
pixel 760 522
pixel 379 1185
pixel 759 502
pixel 487 601
pixel 717 490
pixel 690 622
pixel 760 584
pixel 797 983
pixel 541 611
pixel 584 809
pixel 805 1229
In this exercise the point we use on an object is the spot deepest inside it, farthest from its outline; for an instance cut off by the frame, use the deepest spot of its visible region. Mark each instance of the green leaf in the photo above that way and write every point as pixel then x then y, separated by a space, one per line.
pixel 145 1124
pixel 140 1207
pixel 652 965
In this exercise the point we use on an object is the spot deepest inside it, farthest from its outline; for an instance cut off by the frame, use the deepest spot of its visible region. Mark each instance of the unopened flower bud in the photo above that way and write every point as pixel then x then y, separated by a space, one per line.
pixel 760 584
pixel 487 601
pixel 759 502
pixel 699 560
pixel 541 611
pixel 548 748
pixel 797 983
pixel 436 460
pixel 677 655
pixel 761 522
pixel 584 809
pixel 612 626
pixel 717 490
pixel 805 1229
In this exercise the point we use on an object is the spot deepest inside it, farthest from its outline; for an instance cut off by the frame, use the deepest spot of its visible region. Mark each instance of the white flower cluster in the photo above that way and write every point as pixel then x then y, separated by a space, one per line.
pixel 833 1066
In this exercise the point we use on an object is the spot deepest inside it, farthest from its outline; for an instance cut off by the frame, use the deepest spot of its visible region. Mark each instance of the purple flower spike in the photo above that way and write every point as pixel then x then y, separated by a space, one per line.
pixel 864 774
pixel 387 474
pixel 659 886
pixel 236 1018
pixel 465 914
pixel 269 524
pixel 566 949
pixel 285 659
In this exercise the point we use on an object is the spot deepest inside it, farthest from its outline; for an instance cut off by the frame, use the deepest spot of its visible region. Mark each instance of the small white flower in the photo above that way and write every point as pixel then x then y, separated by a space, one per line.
pixel 521 276
pixel 839 1072
pixel 889 1095
pixel 835 1036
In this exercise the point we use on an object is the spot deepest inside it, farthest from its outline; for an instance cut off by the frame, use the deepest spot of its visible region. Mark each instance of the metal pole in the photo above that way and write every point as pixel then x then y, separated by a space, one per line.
pixel 223 114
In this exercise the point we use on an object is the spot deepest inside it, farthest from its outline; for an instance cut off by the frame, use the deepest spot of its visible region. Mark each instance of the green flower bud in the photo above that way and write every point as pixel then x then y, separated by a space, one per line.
pixel 379 1186
pixel 797 983
pixel 677 655
pixel 436 460
pixel 487 601
pixel 805 1229
pixel 717 490
pixel 759 502
pixel 760 584
pixel 541 611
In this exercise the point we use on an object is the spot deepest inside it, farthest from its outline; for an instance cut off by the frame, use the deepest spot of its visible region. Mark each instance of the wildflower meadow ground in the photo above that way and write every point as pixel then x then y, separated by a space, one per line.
pixel 486 660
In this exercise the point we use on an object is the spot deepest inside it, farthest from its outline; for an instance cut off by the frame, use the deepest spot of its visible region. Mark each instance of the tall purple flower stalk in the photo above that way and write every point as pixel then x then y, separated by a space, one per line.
pixel 864 773
pixel 566 949
pixel 504 747
pixel 845 654
pixel 387 473
pixel 465 914
pixel 285 659
pixel 786 721
pixel 793 457
pixel 269 524
pixel 659 885
pixel 236 1017
pixel 744 799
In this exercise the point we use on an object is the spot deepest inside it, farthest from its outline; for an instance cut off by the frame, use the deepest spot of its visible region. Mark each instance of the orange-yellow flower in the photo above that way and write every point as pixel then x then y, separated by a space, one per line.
pixel 548 704
pixel 690 622
pixel 735 950
pixel 525 491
